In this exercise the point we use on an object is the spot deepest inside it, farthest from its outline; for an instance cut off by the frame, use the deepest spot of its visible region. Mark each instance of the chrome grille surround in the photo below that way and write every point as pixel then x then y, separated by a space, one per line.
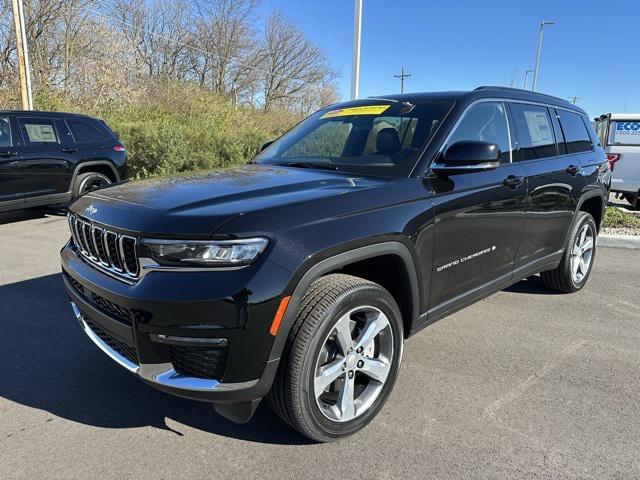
pixel 104 249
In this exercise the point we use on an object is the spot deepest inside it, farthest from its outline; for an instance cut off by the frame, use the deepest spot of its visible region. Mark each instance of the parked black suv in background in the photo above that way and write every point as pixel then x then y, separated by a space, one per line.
pixel 51 158
pixel 298 276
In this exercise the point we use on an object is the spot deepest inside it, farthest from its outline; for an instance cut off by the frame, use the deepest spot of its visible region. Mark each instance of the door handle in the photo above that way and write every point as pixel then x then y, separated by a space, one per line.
pixel 8 153
pixel 69 150
pixel 512 181
pixel 573 169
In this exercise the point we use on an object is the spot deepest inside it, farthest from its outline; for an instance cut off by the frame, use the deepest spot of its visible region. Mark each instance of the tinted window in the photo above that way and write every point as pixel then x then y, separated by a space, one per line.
pixel 575 133
pixel 85 132
pixel 486 122
pixel 535 132
pixel 38 131
pixel 5 132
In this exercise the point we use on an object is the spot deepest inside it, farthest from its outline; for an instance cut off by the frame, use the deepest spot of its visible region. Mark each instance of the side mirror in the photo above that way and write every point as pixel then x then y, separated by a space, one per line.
pixel 266 145
pixel 468 156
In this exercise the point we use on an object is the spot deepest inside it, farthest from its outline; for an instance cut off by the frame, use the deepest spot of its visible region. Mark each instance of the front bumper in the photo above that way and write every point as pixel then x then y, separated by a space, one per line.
pixel 98 302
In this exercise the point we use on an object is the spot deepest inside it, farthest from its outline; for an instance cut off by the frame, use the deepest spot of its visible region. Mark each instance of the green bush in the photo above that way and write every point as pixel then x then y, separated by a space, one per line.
pixel 182 128
pixel 617 218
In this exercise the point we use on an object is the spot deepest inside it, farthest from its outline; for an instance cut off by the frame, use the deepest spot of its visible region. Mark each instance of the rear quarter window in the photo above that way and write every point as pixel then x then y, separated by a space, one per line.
pixel 86 131
pixel 575 132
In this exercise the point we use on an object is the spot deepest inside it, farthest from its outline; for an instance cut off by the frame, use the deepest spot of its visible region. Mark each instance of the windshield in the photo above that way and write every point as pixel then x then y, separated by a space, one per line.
pixel 381 138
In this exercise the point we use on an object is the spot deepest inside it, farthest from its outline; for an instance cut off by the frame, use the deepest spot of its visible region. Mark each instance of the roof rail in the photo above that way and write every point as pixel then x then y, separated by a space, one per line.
pixel 511 89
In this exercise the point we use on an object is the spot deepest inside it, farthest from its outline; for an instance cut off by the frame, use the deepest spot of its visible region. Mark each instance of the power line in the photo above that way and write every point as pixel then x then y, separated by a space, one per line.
pixel 402 76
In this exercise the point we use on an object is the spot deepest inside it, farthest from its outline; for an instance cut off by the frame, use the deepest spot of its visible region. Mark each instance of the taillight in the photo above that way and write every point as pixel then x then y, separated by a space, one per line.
pixel 119 148
pixel 612 158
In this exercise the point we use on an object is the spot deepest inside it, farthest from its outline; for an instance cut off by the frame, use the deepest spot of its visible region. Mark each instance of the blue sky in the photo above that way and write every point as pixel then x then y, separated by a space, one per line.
pixel 593 50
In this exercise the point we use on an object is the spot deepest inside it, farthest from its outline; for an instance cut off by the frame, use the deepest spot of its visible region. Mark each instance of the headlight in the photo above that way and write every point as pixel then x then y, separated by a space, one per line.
pixel 218 253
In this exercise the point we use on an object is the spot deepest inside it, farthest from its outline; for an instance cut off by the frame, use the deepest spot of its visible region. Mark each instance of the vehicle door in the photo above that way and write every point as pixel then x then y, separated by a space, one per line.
pixel 479 216
pixel 10 173
pixel 554 178
pixel 48 156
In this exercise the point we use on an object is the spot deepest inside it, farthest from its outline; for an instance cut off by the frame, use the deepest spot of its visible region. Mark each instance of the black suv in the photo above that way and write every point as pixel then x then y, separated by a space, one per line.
pixel 298 276
pixel 51 158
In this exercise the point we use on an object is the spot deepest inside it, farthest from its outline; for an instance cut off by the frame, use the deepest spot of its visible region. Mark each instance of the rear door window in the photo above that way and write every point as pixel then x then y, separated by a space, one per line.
pixel 575 132
pixel 625 132
pixel 535 131
pixel 5 132
pixel 84 131
pixel 38 131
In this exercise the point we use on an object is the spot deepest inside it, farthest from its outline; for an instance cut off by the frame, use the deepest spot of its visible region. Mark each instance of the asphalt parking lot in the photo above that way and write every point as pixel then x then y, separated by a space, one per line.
pixel 525 384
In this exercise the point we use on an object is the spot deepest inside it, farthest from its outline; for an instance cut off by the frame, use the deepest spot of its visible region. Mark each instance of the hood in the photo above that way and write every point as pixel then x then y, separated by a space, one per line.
pixel 199 203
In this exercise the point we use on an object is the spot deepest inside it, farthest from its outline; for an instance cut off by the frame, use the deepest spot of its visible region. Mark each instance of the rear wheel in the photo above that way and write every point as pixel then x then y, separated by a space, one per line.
pixel 89 182
pixel 575 266
pixel 341 360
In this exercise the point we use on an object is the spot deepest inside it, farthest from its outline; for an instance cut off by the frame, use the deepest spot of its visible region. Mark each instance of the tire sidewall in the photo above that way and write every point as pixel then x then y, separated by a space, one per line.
pixel 584 219
pixel 375 297
pixel 82 178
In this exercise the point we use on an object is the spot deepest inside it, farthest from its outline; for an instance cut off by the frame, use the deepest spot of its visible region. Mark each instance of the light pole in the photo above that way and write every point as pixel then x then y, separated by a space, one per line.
pixel 526 75
pixel 355 58
pixel 23 56
pixel 539 51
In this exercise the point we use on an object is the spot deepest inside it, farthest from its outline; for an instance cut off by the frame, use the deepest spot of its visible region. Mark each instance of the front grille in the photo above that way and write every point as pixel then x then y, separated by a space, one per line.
pixel 106 249
pixel 116 344
pixel 201 362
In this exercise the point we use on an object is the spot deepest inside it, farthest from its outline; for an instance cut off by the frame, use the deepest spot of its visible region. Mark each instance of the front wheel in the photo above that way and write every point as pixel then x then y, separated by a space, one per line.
pixel 575 266
pixel 341 359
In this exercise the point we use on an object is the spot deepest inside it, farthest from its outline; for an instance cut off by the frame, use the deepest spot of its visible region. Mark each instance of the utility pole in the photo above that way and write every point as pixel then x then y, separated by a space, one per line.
pixel 526 75
pixel 539 52
pixel 402 76
pixel 574 100
pixel 355 57
pixel 23 55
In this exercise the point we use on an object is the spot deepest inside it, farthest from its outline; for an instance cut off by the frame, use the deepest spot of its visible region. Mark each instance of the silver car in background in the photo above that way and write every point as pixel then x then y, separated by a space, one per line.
pixel 619 134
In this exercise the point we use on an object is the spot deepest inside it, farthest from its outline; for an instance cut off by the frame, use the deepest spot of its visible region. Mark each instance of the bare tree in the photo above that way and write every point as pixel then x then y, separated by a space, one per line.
pixel 290 63
pixel 158 33
pixel 224 30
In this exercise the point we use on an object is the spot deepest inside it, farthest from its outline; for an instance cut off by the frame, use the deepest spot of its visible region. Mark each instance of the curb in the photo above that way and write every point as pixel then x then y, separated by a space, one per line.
pixel 619 241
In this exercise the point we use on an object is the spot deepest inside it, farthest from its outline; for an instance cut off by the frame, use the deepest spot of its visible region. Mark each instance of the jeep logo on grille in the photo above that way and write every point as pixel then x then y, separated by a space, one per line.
pixel 91 210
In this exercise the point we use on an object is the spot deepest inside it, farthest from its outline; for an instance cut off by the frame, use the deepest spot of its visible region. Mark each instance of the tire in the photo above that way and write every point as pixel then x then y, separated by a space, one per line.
pixel 563 278
pixel 88 182
pixel 331 302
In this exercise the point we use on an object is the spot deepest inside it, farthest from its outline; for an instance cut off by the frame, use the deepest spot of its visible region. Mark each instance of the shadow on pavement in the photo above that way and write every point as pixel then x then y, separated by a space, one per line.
pixel 46 362
pixel 532 285
pixel 29 214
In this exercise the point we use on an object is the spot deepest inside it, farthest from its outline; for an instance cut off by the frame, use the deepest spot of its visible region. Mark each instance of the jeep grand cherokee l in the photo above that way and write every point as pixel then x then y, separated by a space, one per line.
pixel 51 158
pixel 298 276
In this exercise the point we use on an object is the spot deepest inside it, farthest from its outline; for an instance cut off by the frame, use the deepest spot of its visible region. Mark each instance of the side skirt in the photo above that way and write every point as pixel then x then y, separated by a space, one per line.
pixel 445 309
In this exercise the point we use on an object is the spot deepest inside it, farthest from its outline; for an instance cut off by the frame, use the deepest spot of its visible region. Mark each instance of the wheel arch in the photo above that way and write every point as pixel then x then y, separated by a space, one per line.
pixel 341 261
pixel 101 166
pixel 593 202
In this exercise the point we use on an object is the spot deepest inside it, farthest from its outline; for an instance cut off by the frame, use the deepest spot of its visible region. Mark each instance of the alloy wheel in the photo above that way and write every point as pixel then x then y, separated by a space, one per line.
pixel 353 364
pixel 582 253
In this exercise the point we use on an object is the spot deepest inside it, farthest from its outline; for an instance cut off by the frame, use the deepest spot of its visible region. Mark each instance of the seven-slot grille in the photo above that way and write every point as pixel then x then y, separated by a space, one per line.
pixel 108 250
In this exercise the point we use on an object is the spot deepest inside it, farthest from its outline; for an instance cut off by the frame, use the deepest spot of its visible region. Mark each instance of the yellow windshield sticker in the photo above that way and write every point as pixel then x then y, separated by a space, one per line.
pixel 363 110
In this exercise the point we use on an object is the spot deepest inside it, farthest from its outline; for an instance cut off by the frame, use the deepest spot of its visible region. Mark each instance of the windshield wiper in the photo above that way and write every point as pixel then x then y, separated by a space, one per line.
pixel 315 165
